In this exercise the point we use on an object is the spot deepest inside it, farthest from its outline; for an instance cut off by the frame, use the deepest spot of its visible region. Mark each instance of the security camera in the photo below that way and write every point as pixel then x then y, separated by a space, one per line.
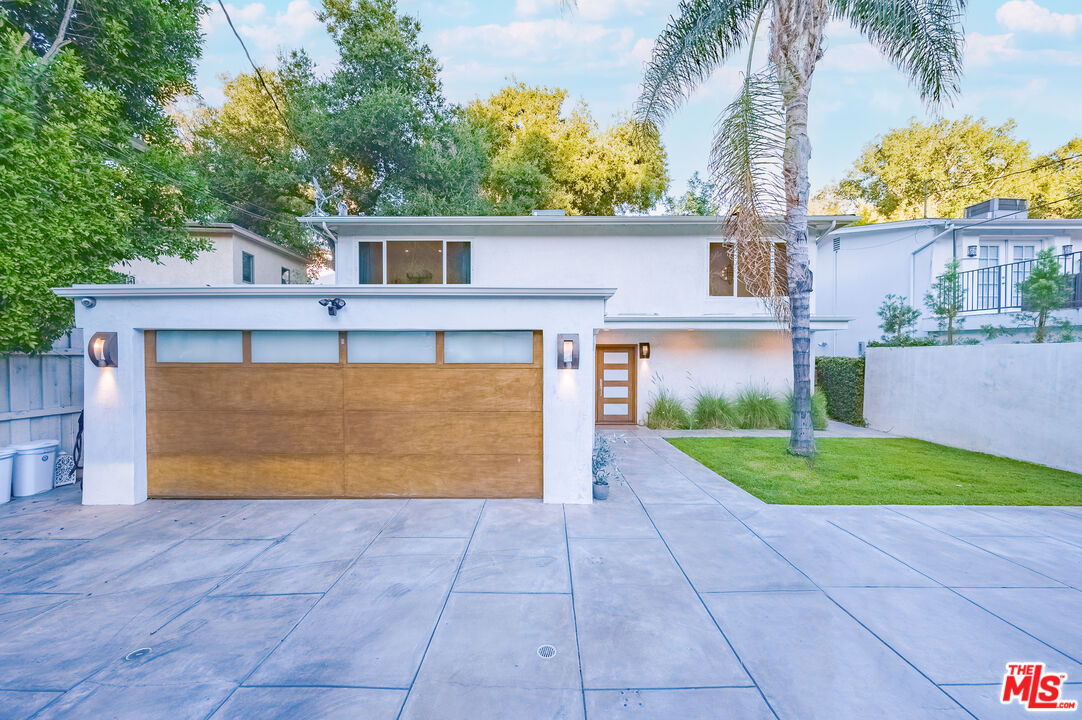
pixel 333 305
pixel 88 302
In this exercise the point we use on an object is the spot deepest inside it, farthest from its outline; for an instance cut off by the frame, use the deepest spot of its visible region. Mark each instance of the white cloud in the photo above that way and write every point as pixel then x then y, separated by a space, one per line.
pixel 1028 16
pixel 266 32
pixel 853 58
pixel 587 9
pixel 555 42
pixel 984 50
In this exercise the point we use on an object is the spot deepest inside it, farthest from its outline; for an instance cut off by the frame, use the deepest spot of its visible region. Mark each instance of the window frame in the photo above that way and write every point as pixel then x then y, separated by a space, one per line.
pixel 384 244
pixel 734 257
pixel 247 259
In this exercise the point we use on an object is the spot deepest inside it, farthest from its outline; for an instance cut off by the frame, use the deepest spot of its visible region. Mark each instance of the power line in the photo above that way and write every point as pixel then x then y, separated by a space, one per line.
pixel 1038 166
pixel 258 73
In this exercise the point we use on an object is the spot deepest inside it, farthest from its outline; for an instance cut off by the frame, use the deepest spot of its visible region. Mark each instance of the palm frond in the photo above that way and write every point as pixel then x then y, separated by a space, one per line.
pixel 701 36
pixel 923 38
pixel 746 163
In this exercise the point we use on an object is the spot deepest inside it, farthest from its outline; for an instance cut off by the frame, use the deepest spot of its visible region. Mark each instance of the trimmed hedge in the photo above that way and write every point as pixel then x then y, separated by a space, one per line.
pixel 842 380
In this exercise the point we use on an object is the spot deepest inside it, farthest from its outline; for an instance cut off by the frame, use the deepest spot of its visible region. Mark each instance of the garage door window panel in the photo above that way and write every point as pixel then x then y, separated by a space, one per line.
pixel 294 346
pixel 199 346
pixel 387 347
pixel 493 347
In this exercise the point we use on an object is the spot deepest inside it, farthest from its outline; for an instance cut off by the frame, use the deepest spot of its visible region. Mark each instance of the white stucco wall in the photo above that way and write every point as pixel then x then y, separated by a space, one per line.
pixel 683 361
pixel 221 265
pixel 268 263
pixel 1019 401
pixel 115 412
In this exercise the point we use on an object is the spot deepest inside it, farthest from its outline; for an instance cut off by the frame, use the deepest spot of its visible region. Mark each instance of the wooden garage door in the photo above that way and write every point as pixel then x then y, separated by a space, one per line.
pixel 277 430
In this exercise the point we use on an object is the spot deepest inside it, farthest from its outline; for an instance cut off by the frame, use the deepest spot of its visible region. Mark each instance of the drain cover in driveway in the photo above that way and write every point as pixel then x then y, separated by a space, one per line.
pixel 546 651
pixel 136 654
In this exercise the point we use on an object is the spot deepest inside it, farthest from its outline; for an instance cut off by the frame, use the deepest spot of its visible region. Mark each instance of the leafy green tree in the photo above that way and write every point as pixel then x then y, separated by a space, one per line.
pixel 765 130
pixel 899 318
pixel 1045 290
pixel 946 299
pixel 543 158
pixel 950 164
pixel 698 200
pixel 76 196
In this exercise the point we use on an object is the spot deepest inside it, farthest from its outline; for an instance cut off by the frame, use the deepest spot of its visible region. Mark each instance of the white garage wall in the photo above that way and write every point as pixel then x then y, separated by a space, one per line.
pixel 115 435
pixel 727 361
pixel 1019 401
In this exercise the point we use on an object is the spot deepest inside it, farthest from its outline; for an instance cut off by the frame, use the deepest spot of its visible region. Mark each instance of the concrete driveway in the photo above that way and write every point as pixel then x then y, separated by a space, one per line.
pixel 680 597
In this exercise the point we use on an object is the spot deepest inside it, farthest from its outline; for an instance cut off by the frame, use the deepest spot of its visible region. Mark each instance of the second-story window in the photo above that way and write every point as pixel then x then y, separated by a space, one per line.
pixel 727 269
pixel 414 262
pixel 247 267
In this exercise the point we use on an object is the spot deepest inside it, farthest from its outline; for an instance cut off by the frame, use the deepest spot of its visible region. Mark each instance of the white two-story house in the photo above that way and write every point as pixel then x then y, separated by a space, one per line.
pixel 453 357
pixel 996 243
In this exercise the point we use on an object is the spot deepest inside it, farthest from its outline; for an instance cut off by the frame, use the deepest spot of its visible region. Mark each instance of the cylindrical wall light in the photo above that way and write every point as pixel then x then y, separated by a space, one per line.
pixel 644 351
pixel 102 349
pixel 567 351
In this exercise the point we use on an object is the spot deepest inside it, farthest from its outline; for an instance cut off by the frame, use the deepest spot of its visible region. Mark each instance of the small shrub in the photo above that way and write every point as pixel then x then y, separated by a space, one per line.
pixel 757 408
pixel 818 410
pixel 712 410
pixel 842 381
pixel 604 459
pixel 666 412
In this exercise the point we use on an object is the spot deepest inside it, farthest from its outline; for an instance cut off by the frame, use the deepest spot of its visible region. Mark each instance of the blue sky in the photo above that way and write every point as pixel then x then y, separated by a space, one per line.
pixel 1023 61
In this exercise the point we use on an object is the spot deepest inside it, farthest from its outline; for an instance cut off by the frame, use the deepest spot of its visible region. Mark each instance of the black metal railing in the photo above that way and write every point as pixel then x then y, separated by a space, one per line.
pixel 995 288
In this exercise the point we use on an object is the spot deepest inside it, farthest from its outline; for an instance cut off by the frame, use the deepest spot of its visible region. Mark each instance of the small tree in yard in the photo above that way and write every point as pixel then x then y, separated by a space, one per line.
pixel 945 299
pixel 1043 292
pixel 899 317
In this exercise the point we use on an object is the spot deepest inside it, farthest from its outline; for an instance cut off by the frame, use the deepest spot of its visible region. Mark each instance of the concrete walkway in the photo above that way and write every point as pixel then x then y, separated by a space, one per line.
pixel 680 597
pixel 834 429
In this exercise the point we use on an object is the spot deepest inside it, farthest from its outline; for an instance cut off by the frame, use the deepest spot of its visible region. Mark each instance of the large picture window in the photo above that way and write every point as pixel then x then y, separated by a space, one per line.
pixel 726 269
pixel 414 262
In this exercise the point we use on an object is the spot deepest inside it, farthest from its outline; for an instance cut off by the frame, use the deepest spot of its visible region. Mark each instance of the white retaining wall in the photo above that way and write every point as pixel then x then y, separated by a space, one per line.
pixel 1019 401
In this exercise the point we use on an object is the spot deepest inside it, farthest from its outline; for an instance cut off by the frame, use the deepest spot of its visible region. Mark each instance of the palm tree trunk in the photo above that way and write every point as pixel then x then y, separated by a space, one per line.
pixel 796 47
pixel 797 189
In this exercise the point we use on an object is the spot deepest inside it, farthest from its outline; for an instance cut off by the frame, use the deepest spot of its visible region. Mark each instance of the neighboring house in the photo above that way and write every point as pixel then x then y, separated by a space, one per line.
pixel 238 256
pixel 454 357
pixel 996 242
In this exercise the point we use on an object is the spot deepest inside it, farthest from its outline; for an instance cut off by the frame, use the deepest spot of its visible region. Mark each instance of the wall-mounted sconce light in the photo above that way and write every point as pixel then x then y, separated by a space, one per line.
pixel 971 251
pixel 102 349
pixel 567 351
pixel 644 351
pixel 1068 249
pixel 333 305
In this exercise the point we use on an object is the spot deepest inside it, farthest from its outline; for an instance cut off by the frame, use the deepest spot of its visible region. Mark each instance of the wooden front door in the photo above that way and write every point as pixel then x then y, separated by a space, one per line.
pixel 615 368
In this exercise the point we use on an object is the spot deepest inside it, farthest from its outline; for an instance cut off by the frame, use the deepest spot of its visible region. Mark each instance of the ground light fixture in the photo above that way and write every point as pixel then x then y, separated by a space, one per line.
pixel 102 349
pixel 644 351
pixel 567 351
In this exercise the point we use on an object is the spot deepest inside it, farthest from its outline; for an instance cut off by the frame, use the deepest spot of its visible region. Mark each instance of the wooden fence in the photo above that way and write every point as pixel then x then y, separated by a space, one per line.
pixel 41 396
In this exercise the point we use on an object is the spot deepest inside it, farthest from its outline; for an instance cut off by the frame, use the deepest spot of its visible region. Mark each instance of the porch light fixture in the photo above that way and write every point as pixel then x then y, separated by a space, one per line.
pixel 1068 249
pixel 971 251
pixel 102 349
pixel 644 351
pixel 567 351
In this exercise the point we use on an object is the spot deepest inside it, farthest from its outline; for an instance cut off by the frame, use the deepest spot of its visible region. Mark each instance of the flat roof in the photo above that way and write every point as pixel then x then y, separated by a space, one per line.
pixel 282 291
pixel 542 224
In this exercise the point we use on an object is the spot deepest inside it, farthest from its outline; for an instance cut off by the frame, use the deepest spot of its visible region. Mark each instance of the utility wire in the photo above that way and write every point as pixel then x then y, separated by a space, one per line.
pixel 258 73
pixel 1038 166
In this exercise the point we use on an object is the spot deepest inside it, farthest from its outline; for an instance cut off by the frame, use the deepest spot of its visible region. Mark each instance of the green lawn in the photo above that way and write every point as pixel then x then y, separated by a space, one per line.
pixel 872 471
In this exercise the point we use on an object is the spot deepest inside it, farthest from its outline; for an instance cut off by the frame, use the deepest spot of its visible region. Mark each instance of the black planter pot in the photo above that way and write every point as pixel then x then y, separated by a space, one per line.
pixel 601 490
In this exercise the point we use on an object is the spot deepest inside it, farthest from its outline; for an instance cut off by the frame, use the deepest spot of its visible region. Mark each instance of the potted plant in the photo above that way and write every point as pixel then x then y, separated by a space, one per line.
pixel 604 466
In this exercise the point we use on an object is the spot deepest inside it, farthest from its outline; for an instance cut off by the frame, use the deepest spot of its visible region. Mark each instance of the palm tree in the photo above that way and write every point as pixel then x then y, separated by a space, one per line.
pixel 761 149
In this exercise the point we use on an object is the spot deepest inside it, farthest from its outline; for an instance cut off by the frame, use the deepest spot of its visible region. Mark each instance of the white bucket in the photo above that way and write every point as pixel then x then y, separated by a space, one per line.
pixel 35 463
pixel 7 460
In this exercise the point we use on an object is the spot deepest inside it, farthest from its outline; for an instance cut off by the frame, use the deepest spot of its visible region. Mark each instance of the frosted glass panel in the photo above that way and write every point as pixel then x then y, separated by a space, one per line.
pixel 615 408
pixel 617 375
pixel 199 346
pixel 513 346
pixel 391 347
pixel 616 391
pixel 616 358
pixel 294 346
